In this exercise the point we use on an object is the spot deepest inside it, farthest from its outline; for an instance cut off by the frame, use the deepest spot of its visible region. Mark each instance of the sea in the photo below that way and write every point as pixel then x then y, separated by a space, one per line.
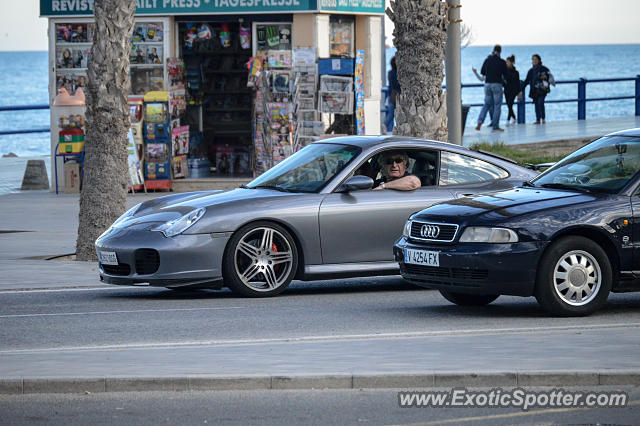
pixel 25 82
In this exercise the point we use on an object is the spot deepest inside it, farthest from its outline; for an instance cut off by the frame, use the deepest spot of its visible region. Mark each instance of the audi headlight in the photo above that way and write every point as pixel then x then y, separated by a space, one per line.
pixel 407 229
pixel 119 221
pixel 178 226
pixel 482 234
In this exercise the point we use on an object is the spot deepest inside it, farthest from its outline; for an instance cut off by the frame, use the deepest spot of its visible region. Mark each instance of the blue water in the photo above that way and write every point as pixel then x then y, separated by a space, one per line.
pixel 25 82
pixel 565 63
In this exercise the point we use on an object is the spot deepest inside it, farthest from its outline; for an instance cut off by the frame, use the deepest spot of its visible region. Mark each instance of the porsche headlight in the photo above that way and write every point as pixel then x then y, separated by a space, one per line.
pixel 178 226
pixel 407 229
pixel 121 219
pixel 482 234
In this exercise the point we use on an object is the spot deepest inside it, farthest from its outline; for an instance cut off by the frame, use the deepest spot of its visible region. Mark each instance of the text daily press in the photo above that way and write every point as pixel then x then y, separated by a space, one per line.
pixel 141 5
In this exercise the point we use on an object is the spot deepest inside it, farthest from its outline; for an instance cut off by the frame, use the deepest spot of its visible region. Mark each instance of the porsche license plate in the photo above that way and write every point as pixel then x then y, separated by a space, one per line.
pixel 422 257
pixel 108 257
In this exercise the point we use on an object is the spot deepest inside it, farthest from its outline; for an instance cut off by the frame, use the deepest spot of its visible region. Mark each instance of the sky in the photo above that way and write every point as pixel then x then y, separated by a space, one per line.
pixel 508 22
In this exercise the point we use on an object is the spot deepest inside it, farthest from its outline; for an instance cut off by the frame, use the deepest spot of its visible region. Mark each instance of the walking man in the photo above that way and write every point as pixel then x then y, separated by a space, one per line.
pixel 494 69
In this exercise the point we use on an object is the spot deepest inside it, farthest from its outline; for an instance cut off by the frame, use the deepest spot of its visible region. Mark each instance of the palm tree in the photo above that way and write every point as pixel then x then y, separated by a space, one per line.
pixel 420 37
pixel 104 189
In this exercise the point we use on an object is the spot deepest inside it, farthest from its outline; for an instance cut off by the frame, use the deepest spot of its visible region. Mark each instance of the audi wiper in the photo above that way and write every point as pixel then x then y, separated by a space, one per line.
pixel 565 186
pixel 528 183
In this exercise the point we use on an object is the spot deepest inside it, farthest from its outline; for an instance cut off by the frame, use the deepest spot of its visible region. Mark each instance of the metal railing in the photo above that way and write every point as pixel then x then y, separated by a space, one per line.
pixel 581 99
pixel 24 108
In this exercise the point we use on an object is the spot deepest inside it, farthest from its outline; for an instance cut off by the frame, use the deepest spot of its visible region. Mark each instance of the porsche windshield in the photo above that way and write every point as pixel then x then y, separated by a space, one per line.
pixel 606 165
pixel 309 169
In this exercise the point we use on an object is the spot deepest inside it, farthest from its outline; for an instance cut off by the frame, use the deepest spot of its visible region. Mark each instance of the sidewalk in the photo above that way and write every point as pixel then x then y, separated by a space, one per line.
pixel 38 225
pixel 552 131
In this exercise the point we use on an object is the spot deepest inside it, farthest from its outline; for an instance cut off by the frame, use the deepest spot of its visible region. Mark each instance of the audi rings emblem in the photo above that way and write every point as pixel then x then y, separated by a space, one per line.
pixel 430 231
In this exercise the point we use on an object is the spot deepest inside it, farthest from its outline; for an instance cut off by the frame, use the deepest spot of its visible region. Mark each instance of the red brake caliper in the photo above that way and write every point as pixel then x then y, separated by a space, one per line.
pixel 274 249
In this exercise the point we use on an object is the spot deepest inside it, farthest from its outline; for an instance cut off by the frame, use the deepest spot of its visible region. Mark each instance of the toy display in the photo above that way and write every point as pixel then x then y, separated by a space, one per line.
pixel 157 139
pixel 359 92
pixel 341 37
pixel 245 37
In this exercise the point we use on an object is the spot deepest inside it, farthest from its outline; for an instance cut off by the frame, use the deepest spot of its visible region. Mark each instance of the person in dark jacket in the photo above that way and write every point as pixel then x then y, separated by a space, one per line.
pixel 539 79
pixel 511 86
pixel 494 69
pixel 394 91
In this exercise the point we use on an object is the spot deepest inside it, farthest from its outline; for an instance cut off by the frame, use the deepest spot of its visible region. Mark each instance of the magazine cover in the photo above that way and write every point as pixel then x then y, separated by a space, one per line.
pixel 154 55
pixel 79 33
pixel 180 166
pixel 64 58
pixel 180 140
pixel 138 54
pixel 139 33
pixel 63 33
pixel 79 58
pixel 154 32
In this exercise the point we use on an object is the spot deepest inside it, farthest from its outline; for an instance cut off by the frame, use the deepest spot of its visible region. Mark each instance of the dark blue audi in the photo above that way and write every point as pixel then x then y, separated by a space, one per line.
pixel 568 237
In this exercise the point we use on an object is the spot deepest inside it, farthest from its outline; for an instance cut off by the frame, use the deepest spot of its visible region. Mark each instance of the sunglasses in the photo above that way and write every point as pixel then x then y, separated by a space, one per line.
pixel 390 161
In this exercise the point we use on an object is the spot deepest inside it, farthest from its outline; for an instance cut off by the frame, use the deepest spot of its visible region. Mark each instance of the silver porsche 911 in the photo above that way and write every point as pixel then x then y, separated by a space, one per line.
pixel 313 216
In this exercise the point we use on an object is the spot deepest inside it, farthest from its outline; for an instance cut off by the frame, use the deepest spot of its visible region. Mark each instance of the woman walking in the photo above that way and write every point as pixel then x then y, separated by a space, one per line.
pixel 511 86
pixel 539 80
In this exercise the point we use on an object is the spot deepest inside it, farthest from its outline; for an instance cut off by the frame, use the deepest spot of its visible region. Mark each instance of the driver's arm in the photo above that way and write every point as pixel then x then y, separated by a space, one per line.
pixel 406 183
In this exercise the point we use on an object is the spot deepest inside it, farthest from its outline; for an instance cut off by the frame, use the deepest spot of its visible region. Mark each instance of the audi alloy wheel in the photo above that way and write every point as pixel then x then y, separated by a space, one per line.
pixel 574 277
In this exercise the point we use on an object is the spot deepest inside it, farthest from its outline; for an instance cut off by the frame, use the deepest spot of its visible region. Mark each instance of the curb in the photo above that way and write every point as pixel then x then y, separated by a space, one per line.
pixel 24 386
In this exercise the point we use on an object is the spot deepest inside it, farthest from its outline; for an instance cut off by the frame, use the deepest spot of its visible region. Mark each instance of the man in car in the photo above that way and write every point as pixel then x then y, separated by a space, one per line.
pixel 394 172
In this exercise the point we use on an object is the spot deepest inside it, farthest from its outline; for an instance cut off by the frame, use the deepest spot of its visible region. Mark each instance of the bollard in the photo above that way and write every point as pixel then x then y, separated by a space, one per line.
pixel 35 176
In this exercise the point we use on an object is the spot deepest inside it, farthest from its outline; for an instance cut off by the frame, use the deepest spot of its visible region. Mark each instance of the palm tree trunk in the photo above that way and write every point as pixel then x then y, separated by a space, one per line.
pixel 420 37
pixel 104 188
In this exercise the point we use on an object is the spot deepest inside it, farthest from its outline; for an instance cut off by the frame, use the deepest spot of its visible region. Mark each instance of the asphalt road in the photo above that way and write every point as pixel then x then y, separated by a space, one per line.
pixel 368 307
pixel 311 407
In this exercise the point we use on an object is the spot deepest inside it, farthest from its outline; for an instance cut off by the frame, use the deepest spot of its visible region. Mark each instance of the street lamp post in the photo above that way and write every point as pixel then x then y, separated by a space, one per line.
pixel 452 69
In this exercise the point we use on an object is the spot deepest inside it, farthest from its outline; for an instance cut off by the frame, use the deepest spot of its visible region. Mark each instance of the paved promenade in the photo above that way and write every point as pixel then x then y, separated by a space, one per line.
pixel 585 130
pixel 508 350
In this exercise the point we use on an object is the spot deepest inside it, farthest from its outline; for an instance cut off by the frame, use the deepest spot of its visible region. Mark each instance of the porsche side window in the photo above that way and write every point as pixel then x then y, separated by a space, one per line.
pixel 457 169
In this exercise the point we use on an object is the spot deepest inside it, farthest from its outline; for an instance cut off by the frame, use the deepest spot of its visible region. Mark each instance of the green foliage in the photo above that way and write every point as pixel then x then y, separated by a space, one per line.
pixel 523 156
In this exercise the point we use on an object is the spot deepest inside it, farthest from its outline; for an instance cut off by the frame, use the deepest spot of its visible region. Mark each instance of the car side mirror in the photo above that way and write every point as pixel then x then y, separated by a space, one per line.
pixel 356 183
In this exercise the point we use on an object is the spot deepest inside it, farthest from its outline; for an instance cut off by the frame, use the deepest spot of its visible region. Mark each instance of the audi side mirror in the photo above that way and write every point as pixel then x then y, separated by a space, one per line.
pixel 356 183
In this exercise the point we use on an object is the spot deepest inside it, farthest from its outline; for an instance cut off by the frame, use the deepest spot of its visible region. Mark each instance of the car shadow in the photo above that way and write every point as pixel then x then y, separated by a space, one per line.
pixel 297 288
pixel 516 307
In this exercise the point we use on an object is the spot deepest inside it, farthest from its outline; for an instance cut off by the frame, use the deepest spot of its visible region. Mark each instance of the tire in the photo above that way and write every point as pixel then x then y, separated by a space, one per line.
pixel 464 299
pixel 574 277
pixel 261 259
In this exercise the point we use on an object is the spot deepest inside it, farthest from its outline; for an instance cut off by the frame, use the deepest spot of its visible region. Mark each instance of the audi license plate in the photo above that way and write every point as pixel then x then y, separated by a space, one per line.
pixel 422 257
pixel 108 258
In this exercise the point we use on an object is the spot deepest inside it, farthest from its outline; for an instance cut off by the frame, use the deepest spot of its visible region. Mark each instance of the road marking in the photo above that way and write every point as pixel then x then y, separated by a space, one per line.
pixel 509 415
pixel 118 312
pixel 55 290
pixel 314 339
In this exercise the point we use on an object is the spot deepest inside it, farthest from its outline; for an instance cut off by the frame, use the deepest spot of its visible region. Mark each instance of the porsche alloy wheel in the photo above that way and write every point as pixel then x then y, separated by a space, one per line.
pixel 261 260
